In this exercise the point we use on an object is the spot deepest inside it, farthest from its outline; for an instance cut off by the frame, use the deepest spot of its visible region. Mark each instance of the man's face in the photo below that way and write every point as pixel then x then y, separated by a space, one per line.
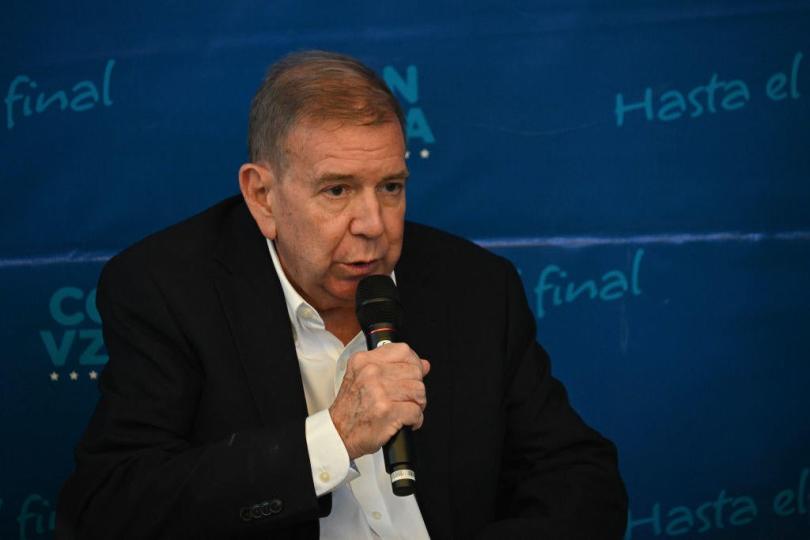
pixel 339 208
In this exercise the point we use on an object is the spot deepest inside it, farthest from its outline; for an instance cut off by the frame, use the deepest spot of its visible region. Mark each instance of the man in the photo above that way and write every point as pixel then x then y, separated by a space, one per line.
pixel 239 400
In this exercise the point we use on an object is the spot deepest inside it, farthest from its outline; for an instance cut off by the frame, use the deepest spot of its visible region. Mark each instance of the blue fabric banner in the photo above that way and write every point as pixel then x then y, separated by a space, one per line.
pixel 644 165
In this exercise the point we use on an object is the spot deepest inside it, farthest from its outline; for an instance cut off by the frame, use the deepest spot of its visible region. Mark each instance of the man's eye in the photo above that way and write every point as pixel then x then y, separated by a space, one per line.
pixel 393 187
pixel 335 191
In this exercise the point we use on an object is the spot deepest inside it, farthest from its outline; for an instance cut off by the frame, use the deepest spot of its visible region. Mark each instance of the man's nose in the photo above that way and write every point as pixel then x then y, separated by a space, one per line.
pixel 367 219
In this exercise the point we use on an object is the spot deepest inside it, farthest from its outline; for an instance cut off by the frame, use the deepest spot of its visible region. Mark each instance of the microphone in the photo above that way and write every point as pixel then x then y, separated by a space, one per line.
pixel 381 317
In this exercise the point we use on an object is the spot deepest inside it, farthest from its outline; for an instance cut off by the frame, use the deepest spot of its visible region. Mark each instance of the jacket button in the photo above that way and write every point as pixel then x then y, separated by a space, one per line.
pixel 265 506
pixel 276 506
pixel 244 513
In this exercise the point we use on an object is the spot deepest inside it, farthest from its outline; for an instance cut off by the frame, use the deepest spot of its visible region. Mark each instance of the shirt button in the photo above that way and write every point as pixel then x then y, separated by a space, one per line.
pixel 324 476
pixel 376 515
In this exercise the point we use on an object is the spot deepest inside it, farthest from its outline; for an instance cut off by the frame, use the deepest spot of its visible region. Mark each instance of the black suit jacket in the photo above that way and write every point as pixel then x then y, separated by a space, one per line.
pixel 199 432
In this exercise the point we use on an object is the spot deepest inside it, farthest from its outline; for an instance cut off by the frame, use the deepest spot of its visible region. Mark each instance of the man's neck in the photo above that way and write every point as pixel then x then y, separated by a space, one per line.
pixel 342 322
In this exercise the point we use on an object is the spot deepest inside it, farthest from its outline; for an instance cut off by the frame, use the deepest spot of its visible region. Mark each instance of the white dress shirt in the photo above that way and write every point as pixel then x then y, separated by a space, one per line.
pixel 363 504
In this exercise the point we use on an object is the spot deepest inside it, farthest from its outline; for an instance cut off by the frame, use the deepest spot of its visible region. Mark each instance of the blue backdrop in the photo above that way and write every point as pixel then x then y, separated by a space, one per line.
pixel 645 165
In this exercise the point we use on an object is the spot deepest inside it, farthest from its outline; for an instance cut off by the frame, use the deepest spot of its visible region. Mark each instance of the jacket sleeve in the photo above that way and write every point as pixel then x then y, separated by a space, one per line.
pixel 559 477
pixel 138 472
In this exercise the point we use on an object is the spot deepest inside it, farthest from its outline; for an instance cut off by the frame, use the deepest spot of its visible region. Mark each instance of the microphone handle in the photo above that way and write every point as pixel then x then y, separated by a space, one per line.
pixel 399 449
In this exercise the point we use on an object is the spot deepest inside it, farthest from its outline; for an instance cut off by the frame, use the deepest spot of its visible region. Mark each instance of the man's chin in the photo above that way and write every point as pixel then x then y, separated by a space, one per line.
pixel 341 291
pixel 339 295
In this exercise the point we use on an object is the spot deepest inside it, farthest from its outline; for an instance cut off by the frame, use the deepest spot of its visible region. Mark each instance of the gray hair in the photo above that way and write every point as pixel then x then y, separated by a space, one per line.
pixel 315 86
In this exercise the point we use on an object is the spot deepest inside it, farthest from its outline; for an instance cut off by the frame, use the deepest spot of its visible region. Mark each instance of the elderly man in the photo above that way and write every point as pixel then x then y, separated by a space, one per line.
pixel 240 400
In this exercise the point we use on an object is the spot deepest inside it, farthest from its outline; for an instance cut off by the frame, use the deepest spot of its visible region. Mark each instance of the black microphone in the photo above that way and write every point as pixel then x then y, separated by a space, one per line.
pixel 381 317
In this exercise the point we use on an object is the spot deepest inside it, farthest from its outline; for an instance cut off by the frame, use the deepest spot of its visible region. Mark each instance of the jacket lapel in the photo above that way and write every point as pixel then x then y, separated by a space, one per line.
pixel 426 323
pixel 254 306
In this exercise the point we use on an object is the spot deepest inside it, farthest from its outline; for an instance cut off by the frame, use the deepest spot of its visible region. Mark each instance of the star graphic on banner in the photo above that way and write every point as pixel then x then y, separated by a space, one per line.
pixel 54 376
pixel 93 375
pixel 74 376
pixel 424 153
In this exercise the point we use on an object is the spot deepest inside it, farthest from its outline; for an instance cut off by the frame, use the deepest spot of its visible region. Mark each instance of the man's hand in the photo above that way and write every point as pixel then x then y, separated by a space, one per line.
pixel 381 392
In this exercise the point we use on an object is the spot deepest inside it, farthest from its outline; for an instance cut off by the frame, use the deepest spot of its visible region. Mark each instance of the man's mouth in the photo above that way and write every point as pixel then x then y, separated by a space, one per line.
pixel 362 267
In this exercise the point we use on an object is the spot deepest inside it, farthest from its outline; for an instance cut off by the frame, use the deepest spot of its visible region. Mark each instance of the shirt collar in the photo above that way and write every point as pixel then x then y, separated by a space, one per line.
pixel 297 307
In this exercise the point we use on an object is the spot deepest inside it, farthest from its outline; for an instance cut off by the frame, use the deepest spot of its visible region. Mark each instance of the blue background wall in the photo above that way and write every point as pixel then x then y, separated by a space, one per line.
pixel 652 157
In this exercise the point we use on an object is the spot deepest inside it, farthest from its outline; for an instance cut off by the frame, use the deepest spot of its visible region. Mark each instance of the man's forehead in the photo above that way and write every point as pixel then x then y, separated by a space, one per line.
pixel 331 143
pixel 308 130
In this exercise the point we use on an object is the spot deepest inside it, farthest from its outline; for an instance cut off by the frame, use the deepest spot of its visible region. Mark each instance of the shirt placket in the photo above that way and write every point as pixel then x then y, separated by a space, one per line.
pixel 366 491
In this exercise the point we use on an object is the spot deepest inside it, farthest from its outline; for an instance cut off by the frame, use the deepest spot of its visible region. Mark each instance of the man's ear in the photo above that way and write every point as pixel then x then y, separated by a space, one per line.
pixel 256 181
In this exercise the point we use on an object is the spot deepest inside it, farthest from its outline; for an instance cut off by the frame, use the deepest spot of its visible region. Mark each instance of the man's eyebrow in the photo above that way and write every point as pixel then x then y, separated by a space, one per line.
pixel 332 177
pixel 340 177
pixel 400 175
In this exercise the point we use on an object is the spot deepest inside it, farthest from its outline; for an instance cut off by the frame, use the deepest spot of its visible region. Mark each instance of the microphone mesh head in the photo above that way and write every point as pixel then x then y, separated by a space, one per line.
pixel 377 301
